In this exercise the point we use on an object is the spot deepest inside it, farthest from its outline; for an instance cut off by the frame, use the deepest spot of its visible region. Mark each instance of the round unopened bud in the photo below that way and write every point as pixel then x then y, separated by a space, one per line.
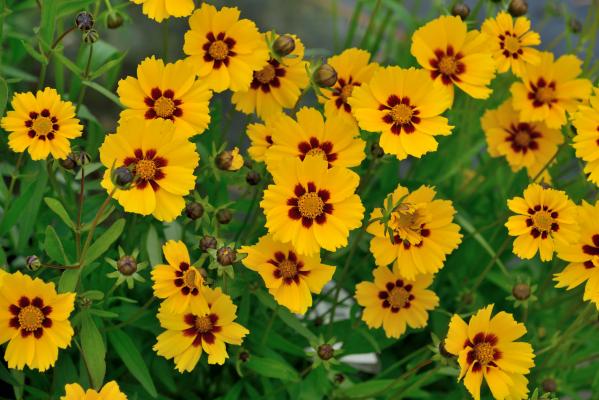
pixel 521 291
pixel 443 351
pixel 127 265
pixel 244 356
pixel 91 36
pixel 575 25
pixel 69 162
pixel 326 352
pixel 325 76
pixel 376 150
pixel 207 242
pixel 224 216
pixel 460 10
pixel 283 45
pixel 122 177
pixel 518 8
pixel 253 178
pixel 224 160
pixel 194 210
pixel 84 21
pixel 549 385
pixel 339 378
pixel 114 20
pixel 226 255
pixel 33 263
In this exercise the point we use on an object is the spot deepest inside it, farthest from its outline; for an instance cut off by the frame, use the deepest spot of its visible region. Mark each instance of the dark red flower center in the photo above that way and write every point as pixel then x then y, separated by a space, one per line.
pixel 309 205
pixel 396 296
pixel 523 137
pixel 147 168
pixel 592 250
pixel 542 220
pixel 268 77
pixel 219 49
pixel 42 125
pixel 163 105
pixel 30 316
pixel 483 352
pixel 542 93
pixel 342 91
pixel 314 147
pixel 401 114
pixel 289 268
pixel 186 279
pixel 202 327
pixel 447 64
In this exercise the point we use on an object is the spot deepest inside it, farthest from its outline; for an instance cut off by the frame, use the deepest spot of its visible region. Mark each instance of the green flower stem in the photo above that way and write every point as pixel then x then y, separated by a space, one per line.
pixel 93 226
pixel 353 24
pixel 44 67
pixel 271 320
pixel 249 213
pixel 370 26
pixel 84 77
pixel 134 317
pixel 79 212
pixel 13 180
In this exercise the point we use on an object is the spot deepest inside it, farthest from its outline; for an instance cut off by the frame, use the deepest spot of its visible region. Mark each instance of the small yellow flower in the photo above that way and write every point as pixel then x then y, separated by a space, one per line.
pixel 289 277
pixel 394 302
pixel 485 348
pixel 42 123
pixel 260 136
pixel 159 10
pixel 110 391
pixel 586 140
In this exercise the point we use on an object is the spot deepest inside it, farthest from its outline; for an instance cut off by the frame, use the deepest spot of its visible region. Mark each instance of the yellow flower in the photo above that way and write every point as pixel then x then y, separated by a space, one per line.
pixel 550 89
pixel 485 347
pixel 394 301
pixel 455 56
pixel 110 391
pixel 178 282
pixel 529 145
pixel 422 228
pixel 224 49
pixel 34 320
pixel 42 123
pixel 311 205
pixel 583 256
pixel 189 333
pixel 276 86
pixel 353 69
pixel 586 140
pixel 158 10
pixel 260 140
pixel 511 42
pixel 289 277
pixel 335 140
pixel 167 92
pixel 236 160
pixel 405 106
pixel 161 160
pixel 546 219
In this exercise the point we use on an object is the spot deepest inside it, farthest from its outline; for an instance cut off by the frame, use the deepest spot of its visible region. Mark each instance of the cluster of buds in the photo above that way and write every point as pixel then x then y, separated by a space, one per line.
pixel 75 159
pixel 84 21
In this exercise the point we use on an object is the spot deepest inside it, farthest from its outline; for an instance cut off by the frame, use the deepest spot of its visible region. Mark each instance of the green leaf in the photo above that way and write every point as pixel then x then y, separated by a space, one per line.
pixel 103 313
pixel 366 389
pixel 153 246
pixel 34 53
pixel 54 248
pixel 93 349
pixel 108 66
pixel 68 280
pixel 272 368
pixel 71 66
pixel 59 210
pixel 103 91
pixel 3 95
pixel 284 315
pixel 69 8
pixel 128 352
pixel 48 21
pixel 103 243
pixel 15 210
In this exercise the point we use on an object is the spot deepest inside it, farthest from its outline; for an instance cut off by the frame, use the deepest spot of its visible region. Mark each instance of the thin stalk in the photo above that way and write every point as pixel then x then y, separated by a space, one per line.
pixel 13 179
pixel 249 212
pixel 133 318
pixel 353 24
pixel 370 26
pixel 489 266
pixel 93 226
pixel 84 77
pixel 79 212
pixel 165 40
pixel 269 325
pixel 44 68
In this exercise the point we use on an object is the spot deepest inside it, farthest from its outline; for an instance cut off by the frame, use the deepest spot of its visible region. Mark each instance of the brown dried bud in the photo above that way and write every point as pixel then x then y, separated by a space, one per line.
pixel 575 25
pixel 283 45
pixel 460 10
pixel 253 178
pixel 376 150
pixel 326 352
pixel 207 242
pixel 226 256
pixel 69 162
pixel 127 265
pixel 549 385
pixel 325 76
pixel 84 21
pixel 224 160
pixel 224 216
pixel 194 210
pixel 114 20
pixel 521 291
pixel 339 378
pixel 244 356
pixel 518 8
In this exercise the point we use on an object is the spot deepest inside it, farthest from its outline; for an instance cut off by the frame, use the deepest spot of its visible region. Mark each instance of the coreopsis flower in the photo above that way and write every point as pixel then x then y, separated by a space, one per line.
pixel 512 42
pixel 529 145
pixel 179 283
pixel 486 348
pixel 583 256
pixel 35 321
pixel 276 86
pixel 190 333
pixel 586 140
pixel 335 139
pixel 353 69
pixel 167 91
pixel 161 161
pixel 455 56
pixel 549 89
pixel 394 302
pixel 546 219
pixel 419 232
pixel 312 205
pixel 42 124
pixel 224 49
pixel 290 278
pixel 260 136
pixel 158 10
pixel 110 391
pixel 405 106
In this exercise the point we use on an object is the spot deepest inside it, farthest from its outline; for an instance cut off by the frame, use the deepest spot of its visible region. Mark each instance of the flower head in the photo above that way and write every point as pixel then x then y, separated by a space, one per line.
pixel 42 124
pixel 35 321
pixel 396 302
pixel 162 162
pixel 158 10
pixel 126 268
pixel 229 160
pixel 405 106
pixel 224 49
pixel 485 348
pixel 260 139
pixel 586 140
pixel 289 277
pixel 167 92
pixel 110 391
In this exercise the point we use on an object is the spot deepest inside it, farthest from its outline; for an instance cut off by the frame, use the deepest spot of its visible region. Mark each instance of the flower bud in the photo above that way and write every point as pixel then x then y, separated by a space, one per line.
pixel 575 25
pixel 283 45
pixel 521 291
pixel 460 10
pixel 127 265
pixel 122 177
pixel 376 150
pixel 244 356
pixel 33 263
pixel 549 385
pixel 339 378
pixel 518 8
pixel 226 256
pixel 69 162
pixel 194 210
pixel 91 36
pixel 253 178
pixel 224 216
pixel 325 76
pixel 114 20
pixel 84 21
pixel 207 242
pixel 326 352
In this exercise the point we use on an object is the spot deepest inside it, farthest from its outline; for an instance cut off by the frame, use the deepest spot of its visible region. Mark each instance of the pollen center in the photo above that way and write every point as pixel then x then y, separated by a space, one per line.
pixel 398 297
pixel 310 205
pixel 544 94
pixel 522 138
pixel 288 269
pixel 448 65
pixel 483 353
pixel 203 324
pixel 401 113
pixel 317 152
pixel 31 318
pixel 346 92
pixel 42 125
pixel 164 107
pixel 512 44
pixel 266 74
pixel 218 50
pixel 189 278
pixel 145 169
pixel 542 220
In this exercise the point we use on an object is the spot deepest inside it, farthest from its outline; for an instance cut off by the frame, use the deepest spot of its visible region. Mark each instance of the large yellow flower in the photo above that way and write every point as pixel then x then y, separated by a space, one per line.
pixel 546 219
pixel 178 282
pixel 158 10
pixel 583 256
pixel 312 205
pixel 485 348
pixel 394 301
pixel 335 140
pixel 586 140
pixel 110 391
pixel 167 92
pixel 289 277
pixel 549 89
pixel 224 49
pixel 511 42
pixel 529 145
pixel 34 320
pixel 405 106
pixel 189 333
pixel 161 160
pixel 42 123
pixel 260 136
pixel 420 232
pixel 276 86
pixel 455 56
pixel 353 69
